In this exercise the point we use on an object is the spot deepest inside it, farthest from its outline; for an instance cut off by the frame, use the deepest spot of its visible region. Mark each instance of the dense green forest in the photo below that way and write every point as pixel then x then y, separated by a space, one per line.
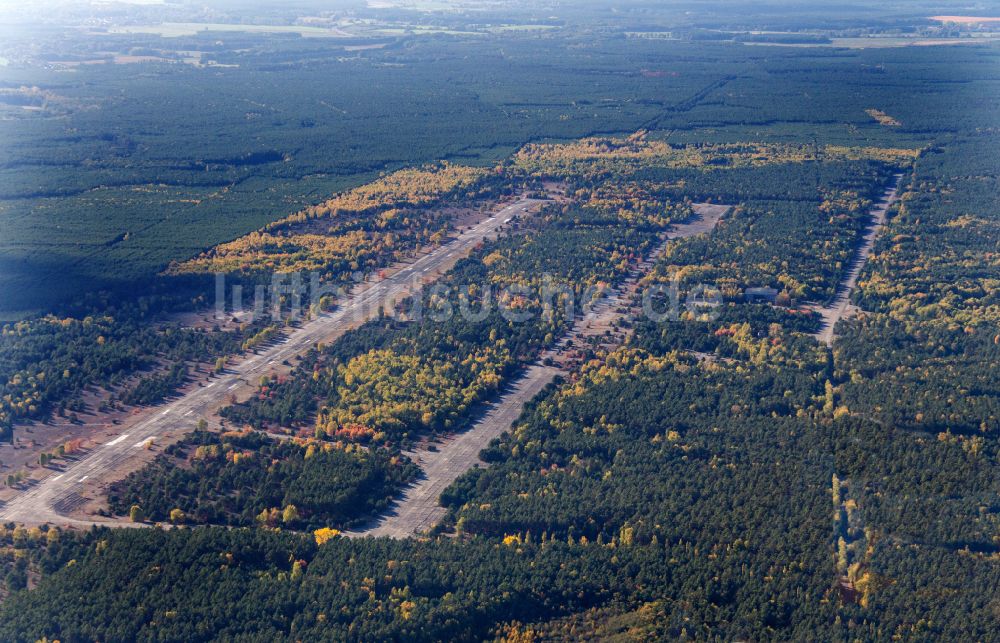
pixel 395 379
pixel 272 136
pixel 269 141
pixel 737 538
pixel 111 341
pixel 732 479
pixel 362 229
pixel 47 362
pixel 426 366
pixel 249 478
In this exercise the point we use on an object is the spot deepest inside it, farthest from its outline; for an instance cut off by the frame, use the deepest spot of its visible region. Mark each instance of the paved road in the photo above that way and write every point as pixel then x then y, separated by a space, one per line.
pixel 841 304
pixel 52 498
pixel 417 510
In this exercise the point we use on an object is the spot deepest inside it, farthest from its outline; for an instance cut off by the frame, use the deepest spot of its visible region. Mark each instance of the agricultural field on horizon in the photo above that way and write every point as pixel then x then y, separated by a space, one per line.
pixel 465 320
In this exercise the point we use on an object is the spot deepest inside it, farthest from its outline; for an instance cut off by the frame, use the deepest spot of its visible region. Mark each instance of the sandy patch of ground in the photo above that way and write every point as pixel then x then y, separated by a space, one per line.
pixel 965 20
pixel 96 423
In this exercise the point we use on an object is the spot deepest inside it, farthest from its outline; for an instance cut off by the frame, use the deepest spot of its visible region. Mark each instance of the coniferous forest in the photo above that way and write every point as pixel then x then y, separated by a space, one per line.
pixel 723 473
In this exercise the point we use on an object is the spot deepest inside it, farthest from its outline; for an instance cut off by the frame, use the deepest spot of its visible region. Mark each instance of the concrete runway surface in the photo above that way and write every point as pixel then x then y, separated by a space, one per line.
pixel 53 498
pixel 417 510
pixel 841 306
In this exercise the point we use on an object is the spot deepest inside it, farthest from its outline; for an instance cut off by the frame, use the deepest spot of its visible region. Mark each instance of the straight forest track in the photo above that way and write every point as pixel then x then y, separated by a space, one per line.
pixel 689 103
